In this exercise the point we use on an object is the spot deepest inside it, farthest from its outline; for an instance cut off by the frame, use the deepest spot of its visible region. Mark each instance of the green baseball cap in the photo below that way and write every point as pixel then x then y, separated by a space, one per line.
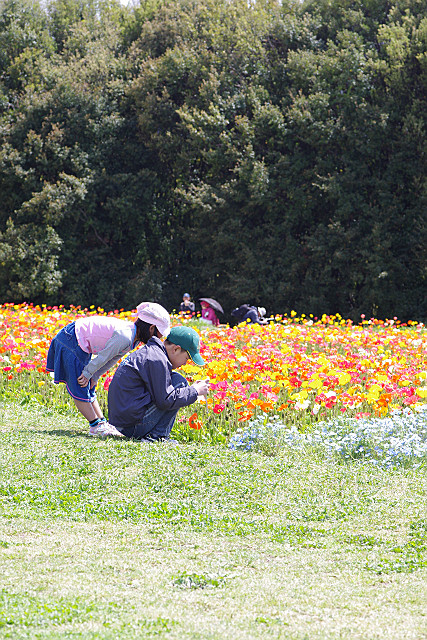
pixel 187 339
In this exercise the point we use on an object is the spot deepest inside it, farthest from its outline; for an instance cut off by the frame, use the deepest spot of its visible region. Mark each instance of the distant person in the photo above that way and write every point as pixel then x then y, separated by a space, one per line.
pixel 146 393
pixel 107 339
pixel 208 314
pixel 186 305
pixel 250 314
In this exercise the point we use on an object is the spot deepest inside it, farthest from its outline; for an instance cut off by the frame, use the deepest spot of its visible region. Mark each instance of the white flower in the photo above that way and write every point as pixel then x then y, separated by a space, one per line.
pixel 302 404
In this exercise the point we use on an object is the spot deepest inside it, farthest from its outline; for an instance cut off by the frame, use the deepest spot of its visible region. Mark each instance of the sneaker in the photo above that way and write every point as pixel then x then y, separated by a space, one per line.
pixel 104 429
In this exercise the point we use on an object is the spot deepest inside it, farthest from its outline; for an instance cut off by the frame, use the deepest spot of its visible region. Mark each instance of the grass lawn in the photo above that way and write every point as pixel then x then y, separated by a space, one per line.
pixel 113 539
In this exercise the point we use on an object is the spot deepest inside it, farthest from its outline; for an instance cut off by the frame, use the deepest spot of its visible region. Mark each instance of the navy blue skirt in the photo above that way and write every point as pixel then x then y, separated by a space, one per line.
pixel 67 361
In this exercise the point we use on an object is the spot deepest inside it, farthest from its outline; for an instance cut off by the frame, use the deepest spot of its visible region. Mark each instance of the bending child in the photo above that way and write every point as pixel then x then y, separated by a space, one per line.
pixel 249 313
pixel 145 393
pixel 108 339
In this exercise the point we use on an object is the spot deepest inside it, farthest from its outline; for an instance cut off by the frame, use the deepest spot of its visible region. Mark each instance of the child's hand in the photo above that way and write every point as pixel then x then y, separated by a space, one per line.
pixel 83 381
pixel 202 387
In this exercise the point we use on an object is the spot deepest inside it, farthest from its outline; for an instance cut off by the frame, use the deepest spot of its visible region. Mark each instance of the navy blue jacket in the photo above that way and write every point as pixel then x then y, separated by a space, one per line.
pixel 247 312
pixel 144 377
pixel 252 315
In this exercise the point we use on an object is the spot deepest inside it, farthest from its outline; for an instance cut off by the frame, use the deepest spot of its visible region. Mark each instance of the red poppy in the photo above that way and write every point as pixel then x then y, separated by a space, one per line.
pixel 194 422
pixel 218 408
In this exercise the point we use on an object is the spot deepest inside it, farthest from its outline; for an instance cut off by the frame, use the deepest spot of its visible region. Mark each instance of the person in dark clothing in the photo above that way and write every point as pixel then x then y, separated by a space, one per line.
pixel 186 305
pixel 145 393
pixel 248 313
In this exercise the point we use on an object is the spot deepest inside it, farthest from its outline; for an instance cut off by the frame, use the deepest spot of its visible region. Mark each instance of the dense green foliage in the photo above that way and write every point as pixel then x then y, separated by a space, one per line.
pixel 265 152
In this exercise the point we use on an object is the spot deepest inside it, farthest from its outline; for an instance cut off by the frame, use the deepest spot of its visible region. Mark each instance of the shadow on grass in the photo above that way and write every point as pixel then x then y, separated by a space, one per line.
pixel 79 434
pixel 68 432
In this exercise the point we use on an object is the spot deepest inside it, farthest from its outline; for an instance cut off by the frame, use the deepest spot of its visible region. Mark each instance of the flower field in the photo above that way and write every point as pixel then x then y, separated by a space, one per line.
pixel 302 369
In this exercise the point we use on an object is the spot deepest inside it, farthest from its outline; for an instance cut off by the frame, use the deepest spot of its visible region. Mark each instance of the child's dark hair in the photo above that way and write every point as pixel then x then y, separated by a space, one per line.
pixel 142 331
pixel 177 345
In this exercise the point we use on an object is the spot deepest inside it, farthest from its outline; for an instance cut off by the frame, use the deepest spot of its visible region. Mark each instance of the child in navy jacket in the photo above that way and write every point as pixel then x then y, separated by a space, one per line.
pixel 146 393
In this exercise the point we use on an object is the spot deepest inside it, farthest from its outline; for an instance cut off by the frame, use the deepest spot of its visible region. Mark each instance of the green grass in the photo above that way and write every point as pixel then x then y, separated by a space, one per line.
pixel 113 539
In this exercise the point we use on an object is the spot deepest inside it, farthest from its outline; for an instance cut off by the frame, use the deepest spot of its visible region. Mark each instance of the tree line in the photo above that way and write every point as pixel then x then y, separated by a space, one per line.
pixel 264 152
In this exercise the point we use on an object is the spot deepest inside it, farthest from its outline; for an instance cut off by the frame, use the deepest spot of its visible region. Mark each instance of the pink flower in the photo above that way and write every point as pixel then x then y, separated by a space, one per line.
pixel 218 408
pixel 270 395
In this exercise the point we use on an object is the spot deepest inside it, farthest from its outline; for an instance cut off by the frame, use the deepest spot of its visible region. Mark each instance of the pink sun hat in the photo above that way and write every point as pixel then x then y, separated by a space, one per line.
pixel 154 313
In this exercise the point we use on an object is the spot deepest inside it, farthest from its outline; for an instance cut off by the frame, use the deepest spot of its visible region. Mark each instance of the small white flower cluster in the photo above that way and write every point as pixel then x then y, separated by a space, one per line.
pixel 397 440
